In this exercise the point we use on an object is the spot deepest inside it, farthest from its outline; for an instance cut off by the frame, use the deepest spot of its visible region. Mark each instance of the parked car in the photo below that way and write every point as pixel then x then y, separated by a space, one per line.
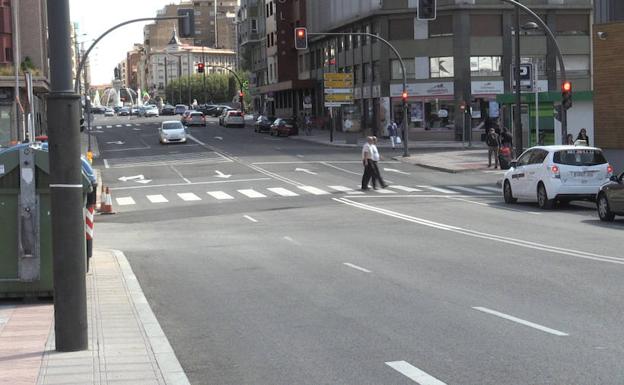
pixel 185 117
pixel 284 127
pixel 180 108
pixel 116 109
pixel 204 108
pixel 151 111
pixel 172 131
pixel 134 111
pixel 234 118
pixel 98 110
pixel 224 112
pixel 124 111
pixel 610 200
pixel 109 112
pixel 548 174
pixel 263 124
pixel 218 111
pixel 168 109
pixel 195 118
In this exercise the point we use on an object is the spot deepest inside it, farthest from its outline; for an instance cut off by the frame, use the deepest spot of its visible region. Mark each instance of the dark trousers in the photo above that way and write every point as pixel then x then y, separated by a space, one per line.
pixel 369 173
pixel 376 177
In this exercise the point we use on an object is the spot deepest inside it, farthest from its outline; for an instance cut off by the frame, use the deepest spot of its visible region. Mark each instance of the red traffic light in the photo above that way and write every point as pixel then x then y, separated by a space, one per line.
pixel 301 38
pixel 300 33
pixel 241 94
pixel 566 87
pixel 201 67
pixel 404 95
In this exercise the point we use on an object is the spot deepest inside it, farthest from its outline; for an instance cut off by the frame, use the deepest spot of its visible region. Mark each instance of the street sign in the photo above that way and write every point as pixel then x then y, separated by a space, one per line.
pixel 526 77
pixel 307 102
pixel 339 98
pixel 346 76
pixel 338 89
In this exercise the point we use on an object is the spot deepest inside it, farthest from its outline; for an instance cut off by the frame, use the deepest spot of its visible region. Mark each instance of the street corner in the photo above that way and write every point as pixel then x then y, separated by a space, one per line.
pixel 450 161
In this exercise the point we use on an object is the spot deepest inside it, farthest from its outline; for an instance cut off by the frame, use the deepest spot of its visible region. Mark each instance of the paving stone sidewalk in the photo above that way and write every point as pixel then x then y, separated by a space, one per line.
pixel 126 342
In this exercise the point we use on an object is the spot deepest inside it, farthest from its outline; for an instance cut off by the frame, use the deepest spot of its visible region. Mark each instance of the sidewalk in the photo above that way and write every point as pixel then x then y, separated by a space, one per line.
pixel 126 343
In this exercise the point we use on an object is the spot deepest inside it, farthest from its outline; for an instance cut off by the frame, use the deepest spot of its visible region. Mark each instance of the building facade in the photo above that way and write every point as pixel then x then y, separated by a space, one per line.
pixel 252 47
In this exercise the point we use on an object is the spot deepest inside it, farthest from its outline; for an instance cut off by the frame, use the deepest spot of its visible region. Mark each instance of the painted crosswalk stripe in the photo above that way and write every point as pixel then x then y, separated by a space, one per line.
pixel 439 189
pixel 157 198
pixel 340 188
pixel 128 125
pixel 220 195
pixel 125 201
pixel 490 188
pixel 404 188
pixel 467 189
pixel 252 193
pixel 413 373
pixel 313 190
pixel 98 127
pixel 382 191
pixel 109 126
pixel 189 197
pixel 283 192
pixel 118 125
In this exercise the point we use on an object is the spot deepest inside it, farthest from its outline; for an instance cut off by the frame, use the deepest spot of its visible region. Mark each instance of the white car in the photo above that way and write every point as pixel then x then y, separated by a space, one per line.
pixel 234 118
pixel 172 131
pixel 548 174
pixel 151 111
pixel 109 112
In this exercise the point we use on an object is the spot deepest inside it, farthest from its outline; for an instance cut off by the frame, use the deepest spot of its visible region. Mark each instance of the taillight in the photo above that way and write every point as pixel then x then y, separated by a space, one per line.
pixel 609 170
pixel 555 170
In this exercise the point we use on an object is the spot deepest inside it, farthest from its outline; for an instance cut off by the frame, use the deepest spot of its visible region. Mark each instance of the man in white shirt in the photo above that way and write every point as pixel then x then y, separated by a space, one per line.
pixel 367 162
pixel 375 157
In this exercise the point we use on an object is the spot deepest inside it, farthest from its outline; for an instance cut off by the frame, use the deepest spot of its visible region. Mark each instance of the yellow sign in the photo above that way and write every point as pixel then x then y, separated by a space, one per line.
pixel 341 77
pixel 339 98
pixel 338 84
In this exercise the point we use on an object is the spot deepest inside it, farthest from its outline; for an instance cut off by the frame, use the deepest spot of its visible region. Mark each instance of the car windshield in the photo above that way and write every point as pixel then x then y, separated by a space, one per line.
pixel 579 157
pixel 172 126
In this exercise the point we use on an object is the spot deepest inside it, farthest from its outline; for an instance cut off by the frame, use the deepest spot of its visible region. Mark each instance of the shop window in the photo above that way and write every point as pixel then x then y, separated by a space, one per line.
pixel 485 65
pixel 397 74
pixel 486 25
pixel 441 67
pixel 401 29
pixel 441 26
pixel 572 24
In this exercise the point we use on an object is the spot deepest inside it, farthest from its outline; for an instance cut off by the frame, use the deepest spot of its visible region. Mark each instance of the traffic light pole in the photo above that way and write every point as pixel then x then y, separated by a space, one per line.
pixel 405 127
pixel 240 84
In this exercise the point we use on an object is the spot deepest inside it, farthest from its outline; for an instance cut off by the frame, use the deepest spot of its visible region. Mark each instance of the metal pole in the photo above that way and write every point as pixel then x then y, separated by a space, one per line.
pixel 68 234
pixel 180 78
pixel 517 117
pixel 536 106
pixel 166 77
pixel 188 66
pixel 204 76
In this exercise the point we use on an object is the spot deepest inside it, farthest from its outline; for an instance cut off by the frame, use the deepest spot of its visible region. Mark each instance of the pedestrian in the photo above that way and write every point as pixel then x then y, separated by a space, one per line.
pixel 493 142
pixel 376 157
pixel 570 140
pixel 392 132
pixel 583 136
pixel 367 163
pixel 308 125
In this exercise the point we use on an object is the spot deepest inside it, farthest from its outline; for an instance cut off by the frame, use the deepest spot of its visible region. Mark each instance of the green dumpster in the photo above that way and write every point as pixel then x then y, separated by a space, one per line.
pixel 25 225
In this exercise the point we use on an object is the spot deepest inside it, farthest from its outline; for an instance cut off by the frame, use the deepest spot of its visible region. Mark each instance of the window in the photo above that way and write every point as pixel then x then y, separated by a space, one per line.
pixel 538 156
pixel 410 69
pixel 375 73
pixel 366 72
pixel 485 65
pixel 254 26
pixel 401 29
pixel 580 157
pixel 572 24
pixel 486 25
pixel 441 26
pixel 441 67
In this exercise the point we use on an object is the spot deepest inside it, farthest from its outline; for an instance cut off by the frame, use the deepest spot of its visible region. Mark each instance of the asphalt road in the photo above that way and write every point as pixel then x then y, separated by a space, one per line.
pixel 265 265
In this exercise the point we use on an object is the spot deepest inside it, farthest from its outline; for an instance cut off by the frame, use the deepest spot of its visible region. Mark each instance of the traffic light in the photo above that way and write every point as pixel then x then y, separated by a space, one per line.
pixel 566 95
pixel 241 99
pixel 186 24
pixel 426 10
pixel 558 112
pixel 301 38
pixel 201 68
pixel 404 96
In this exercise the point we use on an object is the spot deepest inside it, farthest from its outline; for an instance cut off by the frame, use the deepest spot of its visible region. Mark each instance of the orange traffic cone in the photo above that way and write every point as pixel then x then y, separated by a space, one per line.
pixel 102 199
pixel 107 205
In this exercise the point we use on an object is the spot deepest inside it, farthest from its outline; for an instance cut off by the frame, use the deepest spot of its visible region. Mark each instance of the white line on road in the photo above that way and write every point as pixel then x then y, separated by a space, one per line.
pixel 490 188
pixel 396 171
pixel 326 162
pixel 250 218
pixel 356 267
pixel 251 193
pixel 341 188
pixel 157 198
pixel 220 195
pixel 283 192
pixel 404 188
pixel 106 164
pixel 457 198
pixel 382 191
pixel 289 239
pixel 313 190
pixel 191 184
pixel 109 126
pixel 466 189
pixel 439 189
pixel 189 197
pixel 180 174
pixel 341 169
pixel 521 321
pixel 125 201
pixel 413 373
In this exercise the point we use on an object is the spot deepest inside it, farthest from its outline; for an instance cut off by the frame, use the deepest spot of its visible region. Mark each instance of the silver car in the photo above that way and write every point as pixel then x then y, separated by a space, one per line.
pixel 172 132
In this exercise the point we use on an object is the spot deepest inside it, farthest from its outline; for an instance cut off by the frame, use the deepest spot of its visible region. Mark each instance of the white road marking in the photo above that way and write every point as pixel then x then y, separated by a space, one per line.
pixel 325 162
pixel 305 170
pixel 220 195
pixel 341 188
pixel 289 239
pixel 396 171
pixel 521 321
pixel 300 156
pixel 135 177
pixel 106 164
pixel 125 201
pixel 382 191
pixel 413 373
pixel 251 193
pixel 189 197
pixel 218 138
pixel 342 169
pixel 355 192
pixel 221 175
pixel 313 190
pixel 356 267
pixel 490 188
pixel 180 174
pixel 250 218
pixel 109 126
pixel 191 184
pixel 283 192
pixel 118 125
pixel 128 125
pixel 404 188
pixel 98 127
pixel 457 198
pixel 466 189
pixel 439 189
pixel 157 198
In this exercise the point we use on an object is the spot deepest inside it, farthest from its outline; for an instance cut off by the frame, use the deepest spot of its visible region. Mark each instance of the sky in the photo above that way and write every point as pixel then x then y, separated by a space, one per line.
pixel 95 17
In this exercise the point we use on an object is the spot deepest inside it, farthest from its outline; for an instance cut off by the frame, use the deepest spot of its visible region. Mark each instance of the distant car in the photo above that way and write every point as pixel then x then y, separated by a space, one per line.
pixel 263 123
pixel 548 174
pixel 151 111
pixel 172 131
pixel 98 110
pixel 180 108
pixel 124 111
pixel 134 111
pixel 109 112
pixel 167 110
pixel 195 118
pixel 185 116
pixel 218 111
pixel 610 200
pixel 116 109
pixel 234 118
pixel 284 127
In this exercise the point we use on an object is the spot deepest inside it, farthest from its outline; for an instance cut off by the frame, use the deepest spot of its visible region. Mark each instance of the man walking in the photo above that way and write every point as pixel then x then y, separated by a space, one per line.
pixel 392 132
pixel 375 157
pixel 367 163
pixel 493 142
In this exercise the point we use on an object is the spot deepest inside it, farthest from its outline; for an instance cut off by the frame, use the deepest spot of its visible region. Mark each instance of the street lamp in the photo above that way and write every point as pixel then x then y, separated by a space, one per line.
pixel 532 26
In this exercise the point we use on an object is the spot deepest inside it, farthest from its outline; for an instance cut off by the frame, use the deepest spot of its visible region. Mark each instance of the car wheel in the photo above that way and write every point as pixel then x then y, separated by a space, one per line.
pixel 604 211
pixel 507 194
pixel 542 198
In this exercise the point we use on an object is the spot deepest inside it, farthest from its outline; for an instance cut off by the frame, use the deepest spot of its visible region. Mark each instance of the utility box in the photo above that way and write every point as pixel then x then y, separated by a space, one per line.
pixel 25 222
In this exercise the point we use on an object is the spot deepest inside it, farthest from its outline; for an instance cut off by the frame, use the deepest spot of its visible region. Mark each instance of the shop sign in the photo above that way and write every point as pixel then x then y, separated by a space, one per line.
pixel 488 87
pixel 424 89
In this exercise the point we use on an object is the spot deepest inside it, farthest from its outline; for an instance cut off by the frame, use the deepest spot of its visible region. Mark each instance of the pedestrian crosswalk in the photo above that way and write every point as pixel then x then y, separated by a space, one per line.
pixel 268 192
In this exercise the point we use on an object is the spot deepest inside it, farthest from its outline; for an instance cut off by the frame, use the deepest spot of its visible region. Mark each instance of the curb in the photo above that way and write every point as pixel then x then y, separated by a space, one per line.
pixel 166 359
pixel 436 168
pixel 345 145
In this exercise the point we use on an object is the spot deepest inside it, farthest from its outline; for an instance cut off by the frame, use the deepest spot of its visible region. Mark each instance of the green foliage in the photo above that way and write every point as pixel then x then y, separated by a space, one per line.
pixel 220 88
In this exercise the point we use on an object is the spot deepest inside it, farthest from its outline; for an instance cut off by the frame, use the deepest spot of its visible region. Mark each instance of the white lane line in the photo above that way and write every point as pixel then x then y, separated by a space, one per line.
pixel 125 201
pixel 157 198
pixel 341 169
pixel 413 373
pixel 128 125
pixel 180 174
pixel 466 189
pixel 356 267
pixel 220 195
pixel 193 184
pixel 300 156
pixel 383 191
pixel 251 193
pixel 250 218
pixel 490 188
pixel 109 126
pixel 457 198
pixel 521 321
pixel 118 125
pixel 313 190
pixel 189 197
pixel 404 188
pixel 283 192
pixel 439 189
pixel 289 239
pixel 341 188
pixel 106 164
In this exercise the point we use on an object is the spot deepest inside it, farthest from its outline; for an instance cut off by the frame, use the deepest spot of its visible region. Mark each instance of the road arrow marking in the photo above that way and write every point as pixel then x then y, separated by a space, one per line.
pixel 306 171
pixel 218 138
pixel 222 175
pixel 397 171
pixel 117 142
pixel 127 178
pixel 144 181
